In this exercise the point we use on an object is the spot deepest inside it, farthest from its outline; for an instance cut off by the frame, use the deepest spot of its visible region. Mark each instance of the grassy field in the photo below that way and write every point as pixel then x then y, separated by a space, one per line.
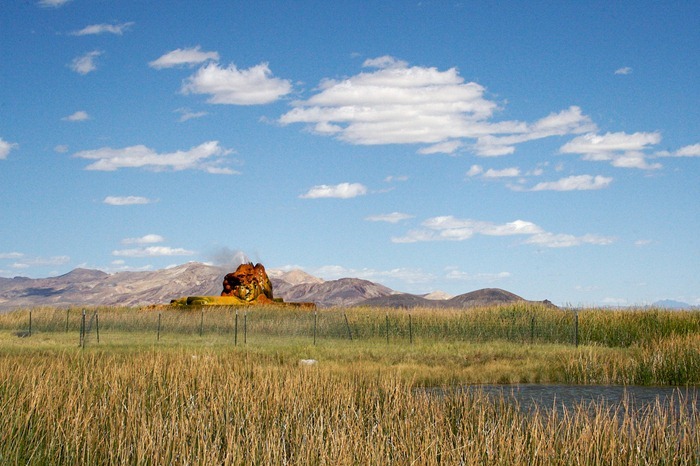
pixel 194 393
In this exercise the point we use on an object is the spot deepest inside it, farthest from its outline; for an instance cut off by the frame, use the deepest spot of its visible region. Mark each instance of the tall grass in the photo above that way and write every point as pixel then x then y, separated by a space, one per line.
pixel 203 407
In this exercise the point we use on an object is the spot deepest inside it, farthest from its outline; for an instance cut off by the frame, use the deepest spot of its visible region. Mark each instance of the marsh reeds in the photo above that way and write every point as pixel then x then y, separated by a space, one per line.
pixel 201 407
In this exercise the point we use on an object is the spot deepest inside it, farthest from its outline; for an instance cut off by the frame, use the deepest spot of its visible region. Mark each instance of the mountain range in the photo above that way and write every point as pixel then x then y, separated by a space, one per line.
pixel 86 287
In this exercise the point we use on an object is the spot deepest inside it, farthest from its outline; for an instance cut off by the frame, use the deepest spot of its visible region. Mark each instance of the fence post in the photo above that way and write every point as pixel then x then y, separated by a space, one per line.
pixel 97 325
pixel 30 322
pixel 532 329
pixel 235 330
pixel 410 329
pixel 576 328
pixel 67 313
pixel 201 324
pixel 347 325
pixel 82 330
pixel 158 337
pixel 315 324
pixel 387 328
pixel 245 328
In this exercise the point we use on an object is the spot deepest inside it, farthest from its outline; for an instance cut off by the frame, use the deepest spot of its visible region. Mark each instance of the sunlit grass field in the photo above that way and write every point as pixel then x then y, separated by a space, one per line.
pixel 186 387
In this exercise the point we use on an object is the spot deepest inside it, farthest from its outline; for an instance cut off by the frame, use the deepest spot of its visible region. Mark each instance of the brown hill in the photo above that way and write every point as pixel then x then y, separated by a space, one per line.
pixel 478 298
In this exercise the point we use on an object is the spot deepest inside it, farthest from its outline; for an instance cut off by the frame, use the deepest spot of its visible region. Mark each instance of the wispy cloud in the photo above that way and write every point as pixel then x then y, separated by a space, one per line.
pixel 407 275
pixel 687 151
pixel 5 148
pixel 624 70
pixel 398 104
pixel 340 191
pixel 153 251
pixel 453 273
pixel 85 64
pixel 80 115
pixel 394 217
pixel 620 149
pixel 207 157
pixel 93 29
pixel 147 239
pixel 126 200
pixel 449 228
pixel 574 183
pixel 52 3
pixel 184 57
pixel 23 261
pixel 187 114
pixel 232 86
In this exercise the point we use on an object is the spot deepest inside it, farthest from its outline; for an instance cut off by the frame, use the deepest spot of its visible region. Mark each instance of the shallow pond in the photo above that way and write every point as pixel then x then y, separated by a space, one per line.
pixel 531 396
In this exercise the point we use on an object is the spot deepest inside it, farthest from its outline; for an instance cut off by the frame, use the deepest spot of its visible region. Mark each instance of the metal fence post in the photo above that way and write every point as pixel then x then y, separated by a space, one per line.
pixel 315 325
pixel 347 325
pixel 576 328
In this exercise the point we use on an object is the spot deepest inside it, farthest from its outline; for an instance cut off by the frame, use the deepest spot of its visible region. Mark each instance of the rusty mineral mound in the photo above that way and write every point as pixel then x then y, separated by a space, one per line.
pixel 249 284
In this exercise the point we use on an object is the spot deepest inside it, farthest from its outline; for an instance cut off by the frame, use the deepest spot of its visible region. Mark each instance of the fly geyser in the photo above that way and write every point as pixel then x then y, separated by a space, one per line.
pixel 248 285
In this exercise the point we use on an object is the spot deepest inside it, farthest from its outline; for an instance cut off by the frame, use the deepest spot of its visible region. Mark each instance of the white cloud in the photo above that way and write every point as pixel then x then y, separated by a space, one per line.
pixel 253 86
pixel 453 273
pixel 394 217
pixel 147 239
pixel 475 170
pixel 5 148
pixel 503 173
pixel 93 29
pixel 25 262
pixel 449 228
pixel 398 104
pixel 620 149
pixel 395 178
pixel 11 255
pixel 126 200
pixel 624 70
pixel 447 147
pixel 52 3
pixel 561 240
pixel 207 157
pixel 686 151
pixel 153 251
pixel 569 121
pixel 332 272
pixel 574 183
pixel 385 61
pixel 643 242
pixel 187 57
pixel 341 191
pixel 80 115
pixel 85 64
pixel 186 114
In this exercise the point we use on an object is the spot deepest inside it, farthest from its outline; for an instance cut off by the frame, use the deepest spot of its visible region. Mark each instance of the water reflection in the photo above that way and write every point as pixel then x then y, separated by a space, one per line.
pixel 561 397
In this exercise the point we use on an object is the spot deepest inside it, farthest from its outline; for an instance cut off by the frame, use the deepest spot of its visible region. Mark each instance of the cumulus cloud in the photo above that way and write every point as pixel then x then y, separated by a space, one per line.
pixel 5 148
pixel 85 64
pixel 184 57
pixel 126 200
pixel 340 191
pixel 94 29
pixel 232 86
pixel 147 239
pixel 449 228
pixel 398 104
pixel 620 149
pixel 624 70
pixel 502 173
pixel 574 183
pixel 152 251
pixel 394 217
pixel 207 157
pixel 80 115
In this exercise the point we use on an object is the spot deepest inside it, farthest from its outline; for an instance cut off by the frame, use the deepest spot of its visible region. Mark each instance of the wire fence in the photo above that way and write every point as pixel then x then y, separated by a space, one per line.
pixel 527 324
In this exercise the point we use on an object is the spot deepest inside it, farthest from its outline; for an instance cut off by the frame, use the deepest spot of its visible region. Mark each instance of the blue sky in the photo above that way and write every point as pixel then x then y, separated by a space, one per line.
pixel 548 148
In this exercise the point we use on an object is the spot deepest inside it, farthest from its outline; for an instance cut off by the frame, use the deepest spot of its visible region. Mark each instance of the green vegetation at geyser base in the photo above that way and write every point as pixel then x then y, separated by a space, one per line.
pixel 183 387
